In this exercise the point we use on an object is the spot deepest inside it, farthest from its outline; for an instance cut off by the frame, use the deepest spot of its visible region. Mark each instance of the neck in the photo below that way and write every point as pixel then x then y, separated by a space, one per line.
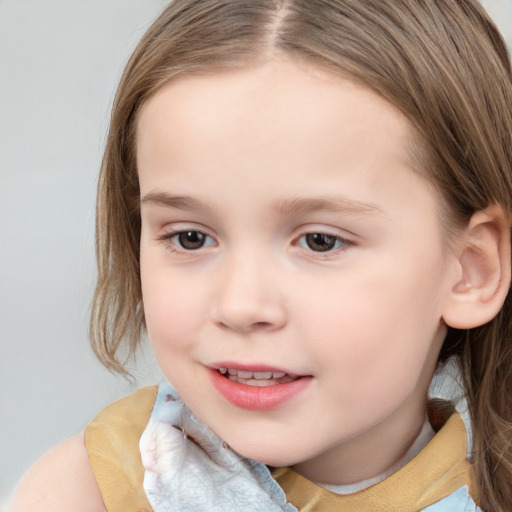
pixel 370 454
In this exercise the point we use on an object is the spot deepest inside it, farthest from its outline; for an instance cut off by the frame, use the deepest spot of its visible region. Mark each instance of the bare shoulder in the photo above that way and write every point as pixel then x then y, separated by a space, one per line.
pixel 62 480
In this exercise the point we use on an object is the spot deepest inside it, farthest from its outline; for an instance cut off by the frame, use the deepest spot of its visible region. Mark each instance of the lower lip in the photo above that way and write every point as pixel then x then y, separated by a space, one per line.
pixel 257 398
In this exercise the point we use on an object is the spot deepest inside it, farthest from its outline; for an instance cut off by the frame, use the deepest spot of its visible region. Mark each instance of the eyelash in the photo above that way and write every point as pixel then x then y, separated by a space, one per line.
pixel 172 240
pixel 339 242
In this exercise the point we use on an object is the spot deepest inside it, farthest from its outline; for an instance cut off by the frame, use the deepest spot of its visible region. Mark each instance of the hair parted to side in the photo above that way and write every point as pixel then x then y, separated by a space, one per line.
pixel 441 62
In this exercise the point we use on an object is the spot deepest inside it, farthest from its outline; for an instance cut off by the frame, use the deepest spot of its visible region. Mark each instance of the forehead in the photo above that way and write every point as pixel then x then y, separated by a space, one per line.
pixel 284 122
pixel 295 98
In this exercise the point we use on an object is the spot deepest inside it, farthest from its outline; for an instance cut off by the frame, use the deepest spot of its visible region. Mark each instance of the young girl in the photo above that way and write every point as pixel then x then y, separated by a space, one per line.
pixel 307 205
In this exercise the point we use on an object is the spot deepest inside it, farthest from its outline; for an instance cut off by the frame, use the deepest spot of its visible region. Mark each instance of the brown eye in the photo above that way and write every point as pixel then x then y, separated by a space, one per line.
pixel 191 240
pixel 321 242
pixel 186 241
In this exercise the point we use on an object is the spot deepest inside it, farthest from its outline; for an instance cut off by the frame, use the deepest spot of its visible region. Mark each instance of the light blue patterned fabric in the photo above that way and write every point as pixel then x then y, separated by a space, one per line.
pixel 189 469
pixel 459 501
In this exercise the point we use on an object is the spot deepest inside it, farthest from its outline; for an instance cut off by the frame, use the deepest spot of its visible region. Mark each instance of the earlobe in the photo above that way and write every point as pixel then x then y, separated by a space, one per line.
pixel 481 286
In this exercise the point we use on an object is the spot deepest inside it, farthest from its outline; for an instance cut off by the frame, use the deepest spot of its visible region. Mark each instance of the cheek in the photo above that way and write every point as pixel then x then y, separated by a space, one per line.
pixel 375 329
pixel 171 307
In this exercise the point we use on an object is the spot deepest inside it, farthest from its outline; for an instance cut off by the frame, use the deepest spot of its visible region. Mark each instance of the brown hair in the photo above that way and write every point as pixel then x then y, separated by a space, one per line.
pixel 441 62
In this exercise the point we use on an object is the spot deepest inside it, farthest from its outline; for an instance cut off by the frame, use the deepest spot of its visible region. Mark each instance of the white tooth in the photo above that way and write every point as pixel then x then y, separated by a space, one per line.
pixel 278 375
pixel 262 375
pixel 232 371
pixel 232 378
pixel 261 383
pixel 222 370
pixel 244 375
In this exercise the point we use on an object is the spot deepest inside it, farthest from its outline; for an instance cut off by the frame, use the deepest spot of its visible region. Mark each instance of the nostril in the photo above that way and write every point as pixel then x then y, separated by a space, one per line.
pixel 248 327
pixel 262 325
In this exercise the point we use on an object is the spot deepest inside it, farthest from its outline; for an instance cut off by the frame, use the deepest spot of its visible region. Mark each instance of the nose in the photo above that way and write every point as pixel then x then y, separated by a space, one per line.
pixel 249 296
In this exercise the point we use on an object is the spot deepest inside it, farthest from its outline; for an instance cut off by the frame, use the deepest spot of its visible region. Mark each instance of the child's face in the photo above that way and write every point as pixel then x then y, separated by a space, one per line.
pixel 284 230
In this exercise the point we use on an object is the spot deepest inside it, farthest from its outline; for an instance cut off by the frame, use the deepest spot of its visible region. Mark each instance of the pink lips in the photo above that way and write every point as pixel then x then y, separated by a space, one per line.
pixel 256 398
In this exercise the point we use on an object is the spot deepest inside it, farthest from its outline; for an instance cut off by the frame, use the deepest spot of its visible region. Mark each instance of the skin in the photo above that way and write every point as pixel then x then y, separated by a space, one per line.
pixel 258 153
pixel 62 480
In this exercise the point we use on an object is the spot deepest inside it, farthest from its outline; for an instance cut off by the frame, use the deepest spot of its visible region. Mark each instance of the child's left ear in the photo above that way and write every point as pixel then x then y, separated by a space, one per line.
pixel 484 263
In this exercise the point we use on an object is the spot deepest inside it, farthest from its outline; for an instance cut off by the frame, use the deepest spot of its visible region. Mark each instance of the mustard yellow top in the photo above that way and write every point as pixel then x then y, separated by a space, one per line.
pixel 112 442
pixel 436 472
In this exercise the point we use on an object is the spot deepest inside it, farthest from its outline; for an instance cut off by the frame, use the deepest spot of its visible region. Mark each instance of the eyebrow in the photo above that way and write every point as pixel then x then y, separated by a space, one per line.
pixel 178 202
pixel 328 204
pixel 284 206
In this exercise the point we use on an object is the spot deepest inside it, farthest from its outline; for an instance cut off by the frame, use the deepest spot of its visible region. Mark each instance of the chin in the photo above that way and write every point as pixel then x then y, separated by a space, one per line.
pixel 268 455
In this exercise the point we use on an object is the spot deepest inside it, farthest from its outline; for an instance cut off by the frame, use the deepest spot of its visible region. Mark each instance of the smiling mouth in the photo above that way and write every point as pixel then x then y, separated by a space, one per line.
pixel 258 379
pixel 257 388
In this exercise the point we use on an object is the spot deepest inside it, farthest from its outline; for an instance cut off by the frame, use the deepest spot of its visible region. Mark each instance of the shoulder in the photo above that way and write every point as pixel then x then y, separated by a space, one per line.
pixel 61 480
pixel 96 470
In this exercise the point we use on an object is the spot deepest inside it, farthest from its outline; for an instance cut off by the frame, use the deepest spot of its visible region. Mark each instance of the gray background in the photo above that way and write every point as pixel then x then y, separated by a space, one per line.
pixel 60 61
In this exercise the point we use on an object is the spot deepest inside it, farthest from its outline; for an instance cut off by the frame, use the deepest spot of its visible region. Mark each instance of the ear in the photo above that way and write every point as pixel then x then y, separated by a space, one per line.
pixel 484 267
